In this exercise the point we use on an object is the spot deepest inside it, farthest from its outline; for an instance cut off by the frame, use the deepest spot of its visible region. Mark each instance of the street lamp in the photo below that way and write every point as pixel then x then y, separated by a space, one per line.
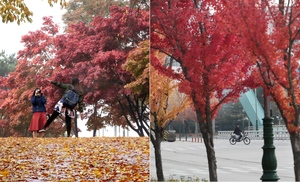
pixel 269 161
pixel 256 119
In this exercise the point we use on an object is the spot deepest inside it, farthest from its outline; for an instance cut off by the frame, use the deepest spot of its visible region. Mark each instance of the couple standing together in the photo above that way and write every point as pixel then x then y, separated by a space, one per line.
pixel 64 107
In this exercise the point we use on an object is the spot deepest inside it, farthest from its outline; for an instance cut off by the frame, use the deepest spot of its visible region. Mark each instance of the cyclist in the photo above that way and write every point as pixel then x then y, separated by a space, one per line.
pixel 238 131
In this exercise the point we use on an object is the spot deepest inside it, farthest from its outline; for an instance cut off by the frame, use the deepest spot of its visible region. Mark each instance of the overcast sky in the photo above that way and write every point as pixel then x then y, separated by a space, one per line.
pixel 11 33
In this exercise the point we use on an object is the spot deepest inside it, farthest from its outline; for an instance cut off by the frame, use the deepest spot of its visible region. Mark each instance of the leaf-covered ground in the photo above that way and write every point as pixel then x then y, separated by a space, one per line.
pixel 75 159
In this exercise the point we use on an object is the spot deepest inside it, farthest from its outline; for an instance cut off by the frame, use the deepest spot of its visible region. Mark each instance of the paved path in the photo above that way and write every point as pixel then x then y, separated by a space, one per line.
pixel 238 162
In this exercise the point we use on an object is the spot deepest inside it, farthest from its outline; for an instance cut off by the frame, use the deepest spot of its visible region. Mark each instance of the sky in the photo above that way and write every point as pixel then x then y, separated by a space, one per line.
pixel 11 33
pixel 10 42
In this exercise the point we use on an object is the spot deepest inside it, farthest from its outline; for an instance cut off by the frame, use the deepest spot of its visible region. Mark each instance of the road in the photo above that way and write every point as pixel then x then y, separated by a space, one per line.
pixel 238 162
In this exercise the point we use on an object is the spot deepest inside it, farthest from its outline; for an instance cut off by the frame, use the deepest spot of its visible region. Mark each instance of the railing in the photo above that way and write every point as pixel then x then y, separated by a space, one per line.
pixel 257 135
pixel 192 137
pixel 278 134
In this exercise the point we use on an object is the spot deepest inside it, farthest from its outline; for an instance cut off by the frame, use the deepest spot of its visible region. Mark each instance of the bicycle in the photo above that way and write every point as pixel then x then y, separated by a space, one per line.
pixel 234 138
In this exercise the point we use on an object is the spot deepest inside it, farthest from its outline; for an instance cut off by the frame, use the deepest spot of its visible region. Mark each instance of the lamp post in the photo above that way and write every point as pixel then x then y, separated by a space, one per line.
pixel 269 161
pixel 256 120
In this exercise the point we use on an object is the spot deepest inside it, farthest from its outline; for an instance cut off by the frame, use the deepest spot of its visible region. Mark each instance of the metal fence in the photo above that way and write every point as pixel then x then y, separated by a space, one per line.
pixel 278 133
pixel 257 135
pixel 192 137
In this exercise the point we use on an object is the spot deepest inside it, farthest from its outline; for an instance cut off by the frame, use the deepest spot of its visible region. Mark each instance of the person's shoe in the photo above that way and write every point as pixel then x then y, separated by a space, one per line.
pixel 42 130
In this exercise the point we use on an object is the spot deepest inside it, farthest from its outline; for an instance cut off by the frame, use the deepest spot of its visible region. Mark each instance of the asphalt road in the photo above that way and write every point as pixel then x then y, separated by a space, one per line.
pixel 239 162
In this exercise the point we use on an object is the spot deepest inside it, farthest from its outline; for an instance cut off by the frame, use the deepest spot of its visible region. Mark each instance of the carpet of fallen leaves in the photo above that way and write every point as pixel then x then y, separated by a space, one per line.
pixel 102 159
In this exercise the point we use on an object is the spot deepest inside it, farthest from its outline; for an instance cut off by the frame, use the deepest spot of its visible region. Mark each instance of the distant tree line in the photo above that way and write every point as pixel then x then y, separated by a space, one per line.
pixel 7 63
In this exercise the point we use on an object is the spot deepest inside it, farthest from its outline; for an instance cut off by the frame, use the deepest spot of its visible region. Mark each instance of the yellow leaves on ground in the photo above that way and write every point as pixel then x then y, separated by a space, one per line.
pixel 104 159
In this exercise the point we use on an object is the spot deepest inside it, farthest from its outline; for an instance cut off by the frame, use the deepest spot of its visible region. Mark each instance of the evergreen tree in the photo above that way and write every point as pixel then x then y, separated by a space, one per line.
pixel 7 63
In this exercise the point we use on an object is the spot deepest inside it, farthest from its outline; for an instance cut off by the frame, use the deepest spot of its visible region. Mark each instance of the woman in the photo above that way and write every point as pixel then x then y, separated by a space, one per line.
pixel 38 120
pixel 61 108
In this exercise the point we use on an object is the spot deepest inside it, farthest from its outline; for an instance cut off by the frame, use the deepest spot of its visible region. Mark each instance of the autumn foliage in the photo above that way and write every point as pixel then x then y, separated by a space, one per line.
pixel 17 11
pixel 165 104
pixel 191 38
pixel 74 159
pixel 95 53
pixel 273 41
pixel 212 66
pixel 84 11
pixel 270 31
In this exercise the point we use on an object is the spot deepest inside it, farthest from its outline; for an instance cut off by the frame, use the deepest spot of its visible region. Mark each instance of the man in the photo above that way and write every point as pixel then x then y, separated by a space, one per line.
pixel 62 108
pixel 238 131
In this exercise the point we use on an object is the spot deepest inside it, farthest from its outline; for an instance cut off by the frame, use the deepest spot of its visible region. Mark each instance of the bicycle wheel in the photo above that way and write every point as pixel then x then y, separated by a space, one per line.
pixel 232 141
pixel 246 141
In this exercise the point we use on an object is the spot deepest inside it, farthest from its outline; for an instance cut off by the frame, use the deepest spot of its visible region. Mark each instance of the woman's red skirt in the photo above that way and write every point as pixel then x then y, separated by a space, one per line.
pixel 38 121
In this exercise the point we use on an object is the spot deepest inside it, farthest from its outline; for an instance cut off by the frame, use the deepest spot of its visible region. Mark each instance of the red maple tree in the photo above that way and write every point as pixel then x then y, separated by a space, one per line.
pixel 270 33
pixel 211 66
pixel 94 53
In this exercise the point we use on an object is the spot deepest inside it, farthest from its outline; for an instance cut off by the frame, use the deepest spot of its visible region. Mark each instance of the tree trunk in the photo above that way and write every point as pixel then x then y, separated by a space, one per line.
pixel 156 141
pixel 295 143
pixel 208 137
pixel 207 134
pixel 136 114
pixel 210 152
pixel 158 160
pixel 94 132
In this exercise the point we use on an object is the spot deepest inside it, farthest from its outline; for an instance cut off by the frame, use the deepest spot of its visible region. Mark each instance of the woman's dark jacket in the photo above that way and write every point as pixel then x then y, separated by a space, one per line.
pixel 38 103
